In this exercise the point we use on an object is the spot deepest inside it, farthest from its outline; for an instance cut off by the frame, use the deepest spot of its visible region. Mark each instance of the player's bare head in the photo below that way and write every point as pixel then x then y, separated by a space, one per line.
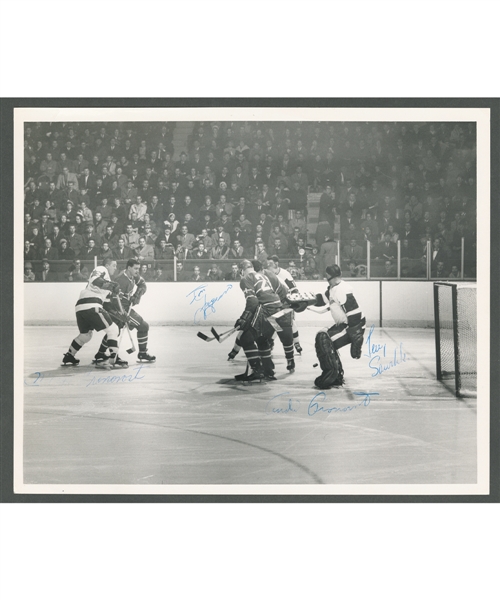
pixel 133 266
pixel 333 272
pixel 245 267
pixel 110 265
pixel 257 265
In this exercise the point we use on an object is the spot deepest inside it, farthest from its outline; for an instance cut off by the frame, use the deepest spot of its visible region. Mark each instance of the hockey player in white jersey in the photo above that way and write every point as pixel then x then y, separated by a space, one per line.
pixel 286 279
pixel 348 328
pixel 91 316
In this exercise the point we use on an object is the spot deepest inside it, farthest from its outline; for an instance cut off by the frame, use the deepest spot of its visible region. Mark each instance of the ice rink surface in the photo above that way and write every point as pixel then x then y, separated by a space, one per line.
pixel 185 420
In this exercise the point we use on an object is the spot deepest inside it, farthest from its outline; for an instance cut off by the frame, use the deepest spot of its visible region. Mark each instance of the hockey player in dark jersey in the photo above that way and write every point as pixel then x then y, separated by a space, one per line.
pixel 92 316
pixel 131 288
pixel 348 328
pixel 286 278
pixel 283 284
pixel 263 315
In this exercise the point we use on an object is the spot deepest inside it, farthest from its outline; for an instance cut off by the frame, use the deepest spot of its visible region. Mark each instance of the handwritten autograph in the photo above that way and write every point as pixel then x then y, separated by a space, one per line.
pixel 92 379
pixel 284 404
pixel 378 352
pixel 199 294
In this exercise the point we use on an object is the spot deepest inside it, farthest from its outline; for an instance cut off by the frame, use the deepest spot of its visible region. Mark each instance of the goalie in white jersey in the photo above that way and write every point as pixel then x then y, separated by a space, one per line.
pixel 91 316
pixel 348 328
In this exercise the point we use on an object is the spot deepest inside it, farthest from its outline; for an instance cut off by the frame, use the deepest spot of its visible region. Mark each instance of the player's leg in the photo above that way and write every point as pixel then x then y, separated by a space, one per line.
pixel 285 334
pixel 84 323
pixel 103 321
pixel 329 360
pixel 102 353
pixel 252 353
pixel 137 322
pixel 296 339
pixel 264 345
pixel 113 333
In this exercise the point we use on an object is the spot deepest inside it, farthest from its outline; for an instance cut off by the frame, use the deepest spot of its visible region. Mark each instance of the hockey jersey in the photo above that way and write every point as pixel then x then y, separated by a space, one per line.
pixel 95 293
pixel 130 286
pixel 286 279
pixel 343 305
pixel 258 290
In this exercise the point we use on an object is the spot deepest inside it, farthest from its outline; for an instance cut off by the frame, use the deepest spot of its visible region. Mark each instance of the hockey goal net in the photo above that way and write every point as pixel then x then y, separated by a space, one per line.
pixel 455 314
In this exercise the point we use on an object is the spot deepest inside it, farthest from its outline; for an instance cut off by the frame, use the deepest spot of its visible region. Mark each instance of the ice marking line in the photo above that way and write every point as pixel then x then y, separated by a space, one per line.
pixel 309 472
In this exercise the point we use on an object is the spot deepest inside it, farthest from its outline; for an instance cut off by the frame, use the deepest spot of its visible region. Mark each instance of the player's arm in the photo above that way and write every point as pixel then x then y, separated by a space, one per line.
pixel 251 306
pixel 98 280
pixel 290 283
pixel 140 291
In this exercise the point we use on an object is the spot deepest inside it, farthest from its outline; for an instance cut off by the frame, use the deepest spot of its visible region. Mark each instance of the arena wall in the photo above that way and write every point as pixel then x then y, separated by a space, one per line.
pixel 385 303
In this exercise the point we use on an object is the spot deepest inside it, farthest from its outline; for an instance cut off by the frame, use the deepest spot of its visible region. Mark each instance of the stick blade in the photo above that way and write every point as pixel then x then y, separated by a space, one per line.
pixel 215 334
pixel 203 337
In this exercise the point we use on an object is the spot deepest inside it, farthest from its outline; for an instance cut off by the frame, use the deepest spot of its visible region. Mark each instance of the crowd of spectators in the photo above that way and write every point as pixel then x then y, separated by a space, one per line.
pixel 240 190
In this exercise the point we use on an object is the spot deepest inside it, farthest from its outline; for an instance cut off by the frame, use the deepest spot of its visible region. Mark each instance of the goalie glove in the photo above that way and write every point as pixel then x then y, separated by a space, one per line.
pixel 356 333
pixel 299 301
pixel 245 321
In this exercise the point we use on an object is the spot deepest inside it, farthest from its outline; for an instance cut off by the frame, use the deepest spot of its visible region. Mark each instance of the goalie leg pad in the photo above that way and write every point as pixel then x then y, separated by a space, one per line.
pixel 356 335
pixel 329 361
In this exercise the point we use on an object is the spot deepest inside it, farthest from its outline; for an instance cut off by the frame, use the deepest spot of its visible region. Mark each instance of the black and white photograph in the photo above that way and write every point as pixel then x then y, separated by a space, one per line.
pixel 266 300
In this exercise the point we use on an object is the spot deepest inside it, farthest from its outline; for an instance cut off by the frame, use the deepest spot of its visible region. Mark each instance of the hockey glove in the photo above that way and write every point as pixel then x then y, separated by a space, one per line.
pixel 244 322
pixel 300 301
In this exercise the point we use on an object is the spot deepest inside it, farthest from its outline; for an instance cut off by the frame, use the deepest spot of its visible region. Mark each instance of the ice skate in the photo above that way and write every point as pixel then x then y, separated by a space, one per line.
pixel 69 360
pixel 145 357
pixel 100 358
pixel 298 348
pixel 120 364
pixel 291 365
pixel 249 377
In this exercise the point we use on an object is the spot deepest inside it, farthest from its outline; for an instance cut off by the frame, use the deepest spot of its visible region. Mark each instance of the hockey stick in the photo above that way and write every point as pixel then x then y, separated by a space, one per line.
pixel 204 337
pixel 220 337
pixel 133 349
pixel 320 311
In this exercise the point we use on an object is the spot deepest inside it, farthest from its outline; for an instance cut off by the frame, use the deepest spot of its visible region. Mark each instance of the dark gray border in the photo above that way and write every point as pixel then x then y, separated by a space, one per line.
pixel 6 291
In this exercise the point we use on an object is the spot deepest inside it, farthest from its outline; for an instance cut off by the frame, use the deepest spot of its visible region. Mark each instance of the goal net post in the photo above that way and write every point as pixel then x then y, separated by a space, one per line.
pixel 455 315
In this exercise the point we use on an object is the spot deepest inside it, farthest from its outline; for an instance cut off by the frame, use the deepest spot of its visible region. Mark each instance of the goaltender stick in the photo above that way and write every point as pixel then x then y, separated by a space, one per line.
pixel 348 328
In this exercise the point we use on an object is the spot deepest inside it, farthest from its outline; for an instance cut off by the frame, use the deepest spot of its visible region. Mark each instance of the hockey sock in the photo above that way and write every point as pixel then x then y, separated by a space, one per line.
pixel 142 342
pixel 142 336
pixel 75 346
pixel 104 345
pixel 113 347
pixel 253 357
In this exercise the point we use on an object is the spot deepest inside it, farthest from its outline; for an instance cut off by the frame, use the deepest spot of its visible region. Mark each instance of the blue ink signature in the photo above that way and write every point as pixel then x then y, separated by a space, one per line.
pixel 116 378
pixel 277 409
pixel 315 407
pixel 199 295
pixel 280 405
pixel 376 352
pixel 93 379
